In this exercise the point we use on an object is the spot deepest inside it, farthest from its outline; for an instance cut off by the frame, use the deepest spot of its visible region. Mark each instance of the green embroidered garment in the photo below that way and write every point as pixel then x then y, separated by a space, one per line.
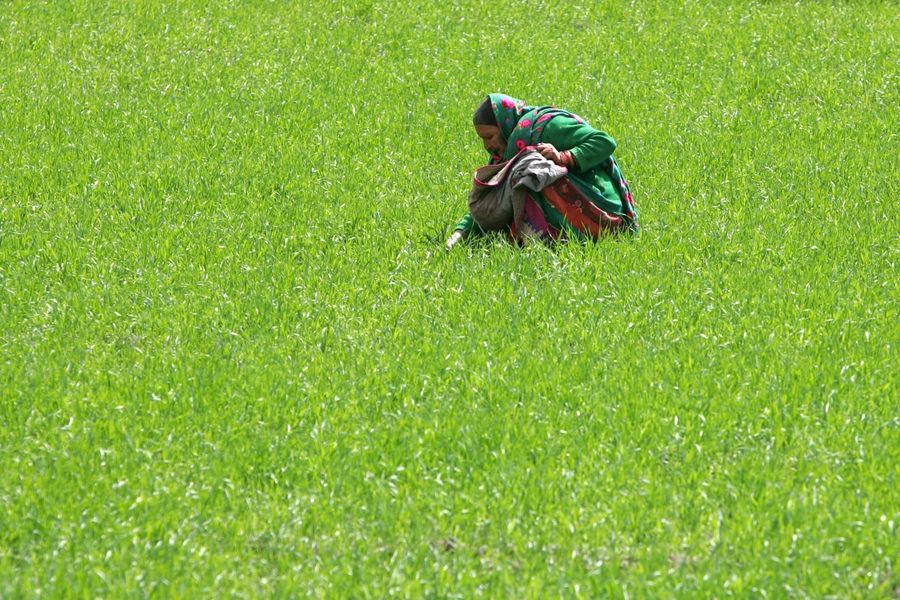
pixel 597 176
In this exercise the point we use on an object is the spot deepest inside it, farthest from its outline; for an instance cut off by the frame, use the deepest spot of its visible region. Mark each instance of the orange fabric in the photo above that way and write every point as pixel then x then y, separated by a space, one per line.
pixel 579 211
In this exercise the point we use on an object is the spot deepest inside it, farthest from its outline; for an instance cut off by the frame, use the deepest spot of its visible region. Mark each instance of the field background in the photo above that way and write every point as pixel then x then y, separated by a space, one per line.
pixel 236 361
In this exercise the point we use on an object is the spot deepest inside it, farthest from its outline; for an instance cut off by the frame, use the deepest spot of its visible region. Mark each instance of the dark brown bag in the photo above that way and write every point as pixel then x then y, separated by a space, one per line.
pixel 483 198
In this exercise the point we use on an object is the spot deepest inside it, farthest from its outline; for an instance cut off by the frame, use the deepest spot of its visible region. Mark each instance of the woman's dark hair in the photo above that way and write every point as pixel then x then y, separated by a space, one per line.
pixel 485 114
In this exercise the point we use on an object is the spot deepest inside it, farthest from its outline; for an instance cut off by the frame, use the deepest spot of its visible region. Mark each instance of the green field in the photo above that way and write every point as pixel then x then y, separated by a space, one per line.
pixel 235 359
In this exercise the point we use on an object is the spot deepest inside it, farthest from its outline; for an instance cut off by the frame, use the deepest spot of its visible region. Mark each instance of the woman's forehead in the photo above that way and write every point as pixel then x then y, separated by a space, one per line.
pixel 487 130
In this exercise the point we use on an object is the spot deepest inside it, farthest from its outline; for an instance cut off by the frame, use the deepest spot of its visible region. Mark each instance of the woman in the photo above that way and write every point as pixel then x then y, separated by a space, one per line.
pixel 596 203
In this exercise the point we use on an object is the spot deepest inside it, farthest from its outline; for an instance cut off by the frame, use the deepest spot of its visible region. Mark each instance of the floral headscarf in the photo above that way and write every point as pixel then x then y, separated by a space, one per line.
pixel 522 125
pixel 508 111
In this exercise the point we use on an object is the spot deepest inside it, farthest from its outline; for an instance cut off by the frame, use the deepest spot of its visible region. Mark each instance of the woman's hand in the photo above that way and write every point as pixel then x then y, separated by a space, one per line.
pixel 564 158
pixel 455 238
pixel 550 152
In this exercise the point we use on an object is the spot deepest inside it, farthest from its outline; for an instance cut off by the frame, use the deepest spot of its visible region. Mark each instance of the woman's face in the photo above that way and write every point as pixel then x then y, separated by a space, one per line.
pixel 491 138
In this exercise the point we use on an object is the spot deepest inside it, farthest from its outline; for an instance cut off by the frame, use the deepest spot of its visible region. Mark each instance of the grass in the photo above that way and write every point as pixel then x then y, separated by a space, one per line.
pixel 235 359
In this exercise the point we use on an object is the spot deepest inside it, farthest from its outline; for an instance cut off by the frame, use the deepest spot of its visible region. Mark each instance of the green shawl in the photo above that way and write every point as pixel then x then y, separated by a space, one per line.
pixel 523 126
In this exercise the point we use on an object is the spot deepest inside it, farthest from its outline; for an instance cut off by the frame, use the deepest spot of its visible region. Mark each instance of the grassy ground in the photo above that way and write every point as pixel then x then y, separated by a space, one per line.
pixel 235 360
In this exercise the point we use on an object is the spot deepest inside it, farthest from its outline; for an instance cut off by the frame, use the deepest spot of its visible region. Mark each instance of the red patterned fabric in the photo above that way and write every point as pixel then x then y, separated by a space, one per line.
pixel 581 212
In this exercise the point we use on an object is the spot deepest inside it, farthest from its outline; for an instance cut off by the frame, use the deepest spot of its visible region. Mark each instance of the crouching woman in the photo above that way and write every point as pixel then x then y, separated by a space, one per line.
pixel 577 192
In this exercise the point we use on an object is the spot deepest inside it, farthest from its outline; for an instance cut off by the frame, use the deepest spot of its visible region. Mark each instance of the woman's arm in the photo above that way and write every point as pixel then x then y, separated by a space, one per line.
pixel 466 227
pixel 589 147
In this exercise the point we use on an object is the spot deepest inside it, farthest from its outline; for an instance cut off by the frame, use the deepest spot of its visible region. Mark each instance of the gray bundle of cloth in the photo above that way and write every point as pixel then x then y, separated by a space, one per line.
pixel 498 193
